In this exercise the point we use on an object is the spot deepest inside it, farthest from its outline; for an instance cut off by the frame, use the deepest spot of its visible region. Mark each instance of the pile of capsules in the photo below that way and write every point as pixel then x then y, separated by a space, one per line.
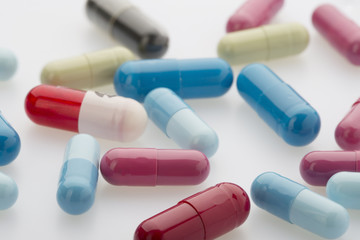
pixel 161 85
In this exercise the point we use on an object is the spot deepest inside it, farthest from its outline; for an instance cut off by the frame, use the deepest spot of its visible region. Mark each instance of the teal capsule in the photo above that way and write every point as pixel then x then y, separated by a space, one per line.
pixel 9 142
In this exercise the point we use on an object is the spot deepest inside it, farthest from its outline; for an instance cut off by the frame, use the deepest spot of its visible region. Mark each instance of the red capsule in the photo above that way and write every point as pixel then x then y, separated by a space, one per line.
pixel 340 31
pixel 205 215
pixel 316 168
pixel 347 133
pixel 151 167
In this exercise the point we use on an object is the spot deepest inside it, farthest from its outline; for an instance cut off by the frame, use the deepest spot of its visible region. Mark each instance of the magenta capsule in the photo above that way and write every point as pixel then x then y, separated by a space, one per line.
pixel 347 132
pixel 253 13
pixel 317 167
pixel 151 167
pixel 340 31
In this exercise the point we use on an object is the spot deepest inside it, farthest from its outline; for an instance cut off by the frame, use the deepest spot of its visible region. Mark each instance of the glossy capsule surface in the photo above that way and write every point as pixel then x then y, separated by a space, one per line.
pixel 344 188
pixel 86 71
pixel 203 216
pixel 110 117
pixel 179 122
pixel 347 132
pixel 9 142
pixel 151 167
pixel 253 13
pixel 79 175
pixel 317 167
pixel 296 204
pixel 263 43
pixel 8 191
pixel 340 31
pixel 188 78
pixel 283 109
pixel 8 64
pixel 129 25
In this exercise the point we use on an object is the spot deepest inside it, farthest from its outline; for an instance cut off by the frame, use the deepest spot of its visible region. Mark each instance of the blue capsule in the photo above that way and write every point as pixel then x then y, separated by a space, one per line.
pixel 8 191
pixel 189 78
pixel 8 64
pixel 283 109
pixel 79 174
pixel 178 121
pixel 296 204
pixel 344 188
pixel 9 142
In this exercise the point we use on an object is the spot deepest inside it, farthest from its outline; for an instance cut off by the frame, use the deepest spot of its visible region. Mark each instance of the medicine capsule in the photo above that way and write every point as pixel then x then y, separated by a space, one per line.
pixel 151 167
pixel 296 204
pixel 8 191
pixel 342 33
pixel 9 142
pixel 127 24
pixel 263 43
pixel 317 167
pixel 110 117
pixel 347 132
pixel 87 71
pixel 205 215
pixel 178 121
pixel 79 175
pixel 8 64
pixel 253 13
pixel 188 78
pixel 283 109
pixel 344 188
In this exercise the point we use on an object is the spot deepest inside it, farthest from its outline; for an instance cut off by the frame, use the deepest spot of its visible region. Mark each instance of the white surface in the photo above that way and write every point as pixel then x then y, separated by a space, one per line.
pixel 42 30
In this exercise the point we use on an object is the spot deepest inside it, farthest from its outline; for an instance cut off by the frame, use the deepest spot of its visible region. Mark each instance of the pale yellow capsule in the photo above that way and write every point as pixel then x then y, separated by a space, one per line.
pixel 263 43
pixel 86 71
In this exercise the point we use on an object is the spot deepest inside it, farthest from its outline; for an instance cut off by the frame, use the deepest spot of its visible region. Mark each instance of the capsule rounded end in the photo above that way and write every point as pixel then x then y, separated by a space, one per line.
pixel 227 77
pixel 148 230
pixel 337 223
pixel 300 36
pixel 353 52
pixel 312 169
pixel 239 22
pixel 302 127
pixel 153 46
pixel 10 143
pixel 75 197
pixel 49 75
pixel 202 167
pixel 347 137
pixel 8 64
pixel 126 82
pixel 206 142
pixel 8 192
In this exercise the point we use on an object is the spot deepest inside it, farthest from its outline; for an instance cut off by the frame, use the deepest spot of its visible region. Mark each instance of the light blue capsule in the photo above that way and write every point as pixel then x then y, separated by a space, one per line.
pixel 8 191
pixel 344 188
pixel 9 142
pixel 79 174
pixel 178 121
pixel 296 204
pixel 8 64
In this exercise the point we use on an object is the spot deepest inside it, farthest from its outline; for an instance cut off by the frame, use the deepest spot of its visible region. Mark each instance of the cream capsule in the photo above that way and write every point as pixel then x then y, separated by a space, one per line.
pixel 86 71
pixel 263 43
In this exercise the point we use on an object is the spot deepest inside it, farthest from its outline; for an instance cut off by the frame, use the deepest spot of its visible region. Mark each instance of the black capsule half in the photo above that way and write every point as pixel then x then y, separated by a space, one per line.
pixel 129 25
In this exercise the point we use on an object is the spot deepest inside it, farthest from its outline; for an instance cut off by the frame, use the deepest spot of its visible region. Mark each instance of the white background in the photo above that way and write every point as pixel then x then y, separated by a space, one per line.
pixel 39 31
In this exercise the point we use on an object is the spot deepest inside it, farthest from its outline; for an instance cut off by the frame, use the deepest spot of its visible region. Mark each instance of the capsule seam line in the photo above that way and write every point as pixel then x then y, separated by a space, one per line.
pixel 91 70
pixel 199 217
pixel 115 16
pixel 267 44
pixel 292 202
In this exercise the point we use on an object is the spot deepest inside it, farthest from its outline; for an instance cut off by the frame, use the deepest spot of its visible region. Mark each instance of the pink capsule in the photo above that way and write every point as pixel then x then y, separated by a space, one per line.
pixel 347 133
pixel 151 167
pixel 340 31
pixel 253 13
pixel 317 167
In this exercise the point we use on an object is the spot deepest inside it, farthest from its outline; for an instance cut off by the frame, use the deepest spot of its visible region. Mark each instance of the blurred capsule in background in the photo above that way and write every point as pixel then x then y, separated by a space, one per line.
pixel 86 71
pixel 283 109
pixel 109 117
pixel 127 24
pixel 347 132
pixel 205 215
pixel 9 142
pixel 296 204
pixel 344 188
pixel 8 191
pixel 253 13
pixel 263 43
pixel 151 167
pixel 79 174
pixel 8 64
pixel 342 33
pixel 317 167
pixel 179 122
pixel 188 78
